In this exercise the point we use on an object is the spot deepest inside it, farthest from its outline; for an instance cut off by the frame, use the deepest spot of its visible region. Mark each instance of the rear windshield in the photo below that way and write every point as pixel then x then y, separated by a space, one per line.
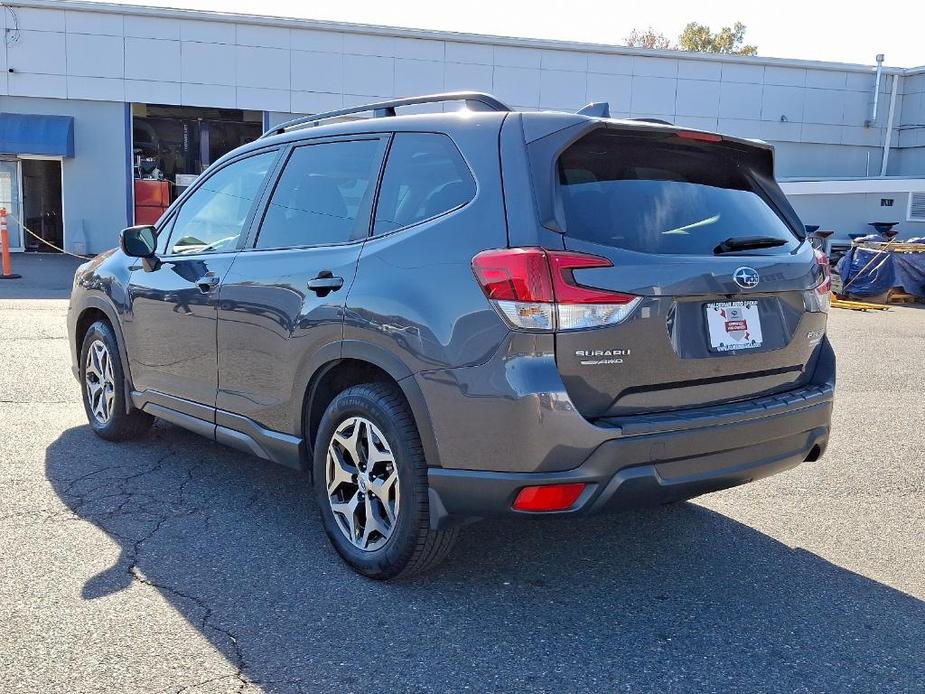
pixel 656 197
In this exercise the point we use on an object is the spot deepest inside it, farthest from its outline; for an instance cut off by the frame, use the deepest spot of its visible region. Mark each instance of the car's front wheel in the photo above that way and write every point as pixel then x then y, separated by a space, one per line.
pixel 370 481
pixel 102 382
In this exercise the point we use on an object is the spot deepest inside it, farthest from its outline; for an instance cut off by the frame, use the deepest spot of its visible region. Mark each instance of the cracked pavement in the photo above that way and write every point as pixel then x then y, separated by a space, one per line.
pixel 173 564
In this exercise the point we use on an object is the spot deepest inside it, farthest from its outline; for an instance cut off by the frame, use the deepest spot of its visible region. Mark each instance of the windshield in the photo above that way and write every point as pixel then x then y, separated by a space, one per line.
pixel 656 197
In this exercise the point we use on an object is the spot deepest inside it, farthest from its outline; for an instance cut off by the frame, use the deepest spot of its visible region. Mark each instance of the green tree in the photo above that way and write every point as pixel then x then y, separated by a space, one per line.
pixel 648 39
pixel 698 38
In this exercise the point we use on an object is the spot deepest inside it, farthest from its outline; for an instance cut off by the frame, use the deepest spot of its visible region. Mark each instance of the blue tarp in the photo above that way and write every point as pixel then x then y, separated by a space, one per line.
pixel 26 133
pixel 884 271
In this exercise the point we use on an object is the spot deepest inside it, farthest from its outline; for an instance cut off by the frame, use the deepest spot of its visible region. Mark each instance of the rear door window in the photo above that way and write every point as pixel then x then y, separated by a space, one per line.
pixel 425 176
pixel 657 197
pixel 323 196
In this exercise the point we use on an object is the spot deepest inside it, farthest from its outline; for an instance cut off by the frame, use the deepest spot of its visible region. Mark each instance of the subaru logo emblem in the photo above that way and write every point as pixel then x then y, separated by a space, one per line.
pixel 746 277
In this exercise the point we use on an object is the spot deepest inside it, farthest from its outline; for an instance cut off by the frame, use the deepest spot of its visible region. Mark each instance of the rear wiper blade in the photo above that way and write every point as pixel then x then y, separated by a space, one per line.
pixel 748 243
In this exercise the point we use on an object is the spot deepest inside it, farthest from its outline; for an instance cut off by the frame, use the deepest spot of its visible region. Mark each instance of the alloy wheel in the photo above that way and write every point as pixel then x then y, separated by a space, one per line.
pixel 362 483
pixel 99 381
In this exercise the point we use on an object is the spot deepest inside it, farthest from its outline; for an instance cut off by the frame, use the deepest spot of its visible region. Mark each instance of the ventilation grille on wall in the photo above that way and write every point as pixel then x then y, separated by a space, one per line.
pixel 917 208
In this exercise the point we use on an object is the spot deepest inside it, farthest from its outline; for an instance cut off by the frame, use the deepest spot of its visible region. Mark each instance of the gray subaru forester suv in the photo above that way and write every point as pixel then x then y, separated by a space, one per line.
pixel 453 315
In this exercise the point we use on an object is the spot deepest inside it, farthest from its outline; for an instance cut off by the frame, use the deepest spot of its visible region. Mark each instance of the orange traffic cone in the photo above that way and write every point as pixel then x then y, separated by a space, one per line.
pixel 7 273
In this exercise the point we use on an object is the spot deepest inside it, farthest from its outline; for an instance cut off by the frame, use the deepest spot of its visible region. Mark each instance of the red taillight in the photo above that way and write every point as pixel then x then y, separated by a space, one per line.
pixel 514 274
pixel 702 137
pixel 568 291
pixel 825 286
pixel 537 275
pixel 550 497
pixel 535 289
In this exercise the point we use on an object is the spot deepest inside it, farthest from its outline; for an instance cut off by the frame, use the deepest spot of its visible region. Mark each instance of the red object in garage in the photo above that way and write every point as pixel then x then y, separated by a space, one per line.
pixel 152 198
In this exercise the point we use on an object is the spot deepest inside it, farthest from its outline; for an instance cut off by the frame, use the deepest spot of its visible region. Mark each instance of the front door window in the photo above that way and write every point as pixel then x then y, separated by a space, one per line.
pixel 213 217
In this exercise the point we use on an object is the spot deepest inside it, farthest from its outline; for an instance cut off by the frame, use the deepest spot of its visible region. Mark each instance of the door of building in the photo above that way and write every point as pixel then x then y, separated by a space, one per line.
pixel 10 184
pixel 41 204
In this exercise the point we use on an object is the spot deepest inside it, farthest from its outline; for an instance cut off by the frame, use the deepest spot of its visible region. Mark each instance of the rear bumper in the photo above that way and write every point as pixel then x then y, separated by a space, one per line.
pixel 662 465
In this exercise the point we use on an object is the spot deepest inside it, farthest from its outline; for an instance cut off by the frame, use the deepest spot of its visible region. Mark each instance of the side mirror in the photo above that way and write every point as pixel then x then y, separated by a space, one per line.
pixel 139 241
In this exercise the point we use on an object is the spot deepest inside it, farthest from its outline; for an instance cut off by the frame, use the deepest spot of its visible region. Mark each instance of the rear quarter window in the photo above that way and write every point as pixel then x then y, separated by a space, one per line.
pixel 425 176
pixel 658 197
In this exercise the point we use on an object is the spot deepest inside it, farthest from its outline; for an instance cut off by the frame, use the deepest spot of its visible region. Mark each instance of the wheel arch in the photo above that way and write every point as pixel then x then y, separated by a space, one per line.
pixel 93 309
pixel 361 362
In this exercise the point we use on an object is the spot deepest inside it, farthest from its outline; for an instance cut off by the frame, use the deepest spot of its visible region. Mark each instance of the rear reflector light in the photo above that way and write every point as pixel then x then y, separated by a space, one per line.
pixel 535 289
pixel 702 137
pixel 550 497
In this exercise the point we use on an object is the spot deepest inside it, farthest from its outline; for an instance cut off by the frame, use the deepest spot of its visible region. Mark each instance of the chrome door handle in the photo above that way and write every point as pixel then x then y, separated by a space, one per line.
pixel 325 282
pixel 208 283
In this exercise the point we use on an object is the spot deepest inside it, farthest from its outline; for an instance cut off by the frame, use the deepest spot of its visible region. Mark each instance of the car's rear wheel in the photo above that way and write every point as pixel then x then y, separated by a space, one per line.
pixel 370 481
pixel 102 382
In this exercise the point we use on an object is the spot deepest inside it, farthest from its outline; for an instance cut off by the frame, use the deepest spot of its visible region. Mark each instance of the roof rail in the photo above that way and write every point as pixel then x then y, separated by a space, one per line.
pixel 657 121
pixel 475 101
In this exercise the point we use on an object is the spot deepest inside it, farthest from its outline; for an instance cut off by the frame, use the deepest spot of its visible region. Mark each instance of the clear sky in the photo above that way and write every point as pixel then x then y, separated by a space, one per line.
pixel 840 31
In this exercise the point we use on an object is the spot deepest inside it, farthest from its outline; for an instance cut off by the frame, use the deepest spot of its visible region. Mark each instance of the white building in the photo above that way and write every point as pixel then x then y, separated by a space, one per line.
pixel 87 90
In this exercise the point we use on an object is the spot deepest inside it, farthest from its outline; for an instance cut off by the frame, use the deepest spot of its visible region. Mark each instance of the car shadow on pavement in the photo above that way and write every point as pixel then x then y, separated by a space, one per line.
pixel 672 598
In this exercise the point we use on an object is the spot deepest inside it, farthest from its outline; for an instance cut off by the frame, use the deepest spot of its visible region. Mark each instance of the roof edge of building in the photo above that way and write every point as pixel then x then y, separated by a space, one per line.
pixel 442 35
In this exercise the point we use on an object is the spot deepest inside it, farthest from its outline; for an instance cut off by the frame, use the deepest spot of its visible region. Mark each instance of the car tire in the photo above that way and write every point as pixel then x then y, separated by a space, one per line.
pixel 406 544
pixel 102 385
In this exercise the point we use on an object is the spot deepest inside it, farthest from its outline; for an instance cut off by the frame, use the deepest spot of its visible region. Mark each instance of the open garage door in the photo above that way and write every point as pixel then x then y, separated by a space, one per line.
pixel 172 145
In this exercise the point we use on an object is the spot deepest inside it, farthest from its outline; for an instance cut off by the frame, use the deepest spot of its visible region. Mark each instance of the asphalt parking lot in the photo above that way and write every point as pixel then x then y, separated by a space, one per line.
pixel 174 564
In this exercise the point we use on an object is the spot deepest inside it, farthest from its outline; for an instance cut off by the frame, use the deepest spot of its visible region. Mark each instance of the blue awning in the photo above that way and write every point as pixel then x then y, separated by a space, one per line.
pixel 25 133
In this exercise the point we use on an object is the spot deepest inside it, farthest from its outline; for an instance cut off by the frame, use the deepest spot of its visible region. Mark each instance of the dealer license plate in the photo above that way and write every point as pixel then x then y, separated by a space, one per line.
pixel 733 325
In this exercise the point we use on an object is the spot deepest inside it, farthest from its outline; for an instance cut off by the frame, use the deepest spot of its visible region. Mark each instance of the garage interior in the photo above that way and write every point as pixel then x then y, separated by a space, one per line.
pixel 172 145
